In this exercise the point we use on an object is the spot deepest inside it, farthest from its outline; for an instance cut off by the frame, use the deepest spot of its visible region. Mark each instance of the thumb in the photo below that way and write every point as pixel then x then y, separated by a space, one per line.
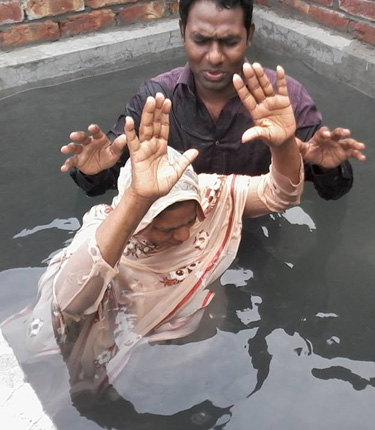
pixel 255 133
pixel 183 162
pixel 119 144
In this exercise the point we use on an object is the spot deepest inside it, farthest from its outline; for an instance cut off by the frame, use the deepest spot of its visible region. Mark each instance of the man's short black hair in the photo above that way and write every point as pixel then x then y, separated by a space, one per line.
pixel 246 5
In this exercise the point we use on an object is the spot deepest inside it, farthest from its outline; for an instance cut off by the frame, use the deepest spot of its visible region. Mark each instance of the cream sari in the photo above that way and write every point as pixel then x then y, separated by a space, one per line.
pixel 152 294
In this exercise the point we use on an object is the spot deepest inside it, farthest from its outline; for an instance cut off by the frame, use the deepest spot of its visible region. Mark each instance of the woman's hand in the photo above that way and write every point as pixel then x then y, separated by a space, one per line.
pixel 271 112
pixel 153 176
pixel 328 149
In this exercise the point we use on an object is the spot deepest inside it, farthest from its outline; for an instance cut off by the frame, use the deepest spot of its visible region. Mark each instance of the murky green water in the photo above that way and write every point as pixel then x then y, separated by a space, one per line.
pixel 287 343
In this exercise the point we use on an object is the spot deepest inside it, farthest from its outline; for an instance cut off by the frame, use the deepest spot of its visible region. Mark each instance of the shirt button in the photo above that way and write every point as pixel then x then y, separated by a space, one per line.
pixel 217 143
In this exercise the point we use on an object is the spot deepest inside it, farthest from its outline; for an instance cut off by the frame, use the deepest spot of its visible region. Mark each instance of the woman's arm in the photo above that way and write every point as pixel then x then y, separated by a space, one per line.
pixel 274 123
pixel 153 176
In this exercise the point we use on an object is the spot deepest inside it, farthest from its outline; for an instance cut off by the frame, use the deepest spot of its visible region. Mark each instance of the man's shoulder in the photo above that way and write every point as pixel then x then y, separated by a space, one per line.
pixel 169 79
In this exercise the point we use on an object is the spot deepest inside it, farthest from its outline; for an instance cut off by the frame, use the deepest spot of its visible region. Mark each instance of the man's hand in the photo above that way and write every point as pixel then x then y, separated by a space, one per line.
pixel 153 176
pixel 93 152
pixel 272 113
pixel 328 149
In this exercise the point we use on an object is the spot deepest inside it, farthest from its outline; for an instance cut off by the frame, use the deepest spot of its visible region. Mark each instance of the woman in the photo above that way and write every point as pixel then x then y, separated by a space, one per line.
pixel 139 269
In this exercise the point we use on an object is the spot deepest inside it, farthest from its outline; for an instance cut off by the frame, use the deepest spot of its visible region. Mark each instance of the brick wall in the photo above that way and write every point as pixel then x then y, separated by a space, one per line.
pixel 25 22
pixel 356 18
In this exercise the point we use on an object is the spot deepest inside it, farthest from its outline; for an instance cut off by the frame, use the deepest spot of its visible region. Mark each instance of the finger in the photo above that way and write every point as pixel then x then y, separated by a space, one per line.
pixel 97 132
pixel 146 129
pixel 263 80
pixel 159 102
pixel 71 148
pixel 352 144
pixel 357 155
pixel 184 161
pixel 69 164
pixel 340 133
pixel 252 82
pixel 243 93
pixel 164 120
pixel 80 137
pixel 131 137
pixel 281 84
pixel 118 145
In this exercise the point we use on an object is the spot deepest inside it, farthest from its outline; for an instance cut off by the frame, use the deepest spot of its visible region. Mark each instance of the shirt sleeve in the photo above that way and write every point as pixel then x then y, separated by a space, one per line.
pixel 272 192
pixel 84 276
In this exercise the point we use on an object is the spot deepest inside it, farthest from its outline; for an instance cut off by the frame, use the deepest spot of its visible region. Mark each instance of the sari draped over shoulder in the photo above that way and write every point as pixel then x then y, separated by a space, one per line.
pixel 153 293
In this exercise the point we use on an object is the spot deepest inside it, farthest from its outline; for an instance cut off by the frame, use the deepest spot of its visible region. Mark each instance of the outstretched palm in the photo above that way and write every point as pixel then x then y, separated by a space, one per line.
pixel 272 113
pixel 153 175
pixel 328 149
pixel 93 152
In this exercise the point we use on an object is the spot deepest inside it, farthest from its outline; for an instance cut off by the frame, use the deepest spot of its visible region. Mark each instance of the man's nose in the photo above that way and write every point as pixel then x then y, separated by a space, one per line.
pixel 182 234
pixel 215 53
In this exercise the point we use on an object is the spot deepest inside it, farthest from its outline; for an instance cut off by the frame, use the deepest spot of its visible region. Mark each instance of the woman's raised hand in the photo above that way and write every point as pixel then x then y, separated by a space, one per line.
pixel 271 112
pixel 153 176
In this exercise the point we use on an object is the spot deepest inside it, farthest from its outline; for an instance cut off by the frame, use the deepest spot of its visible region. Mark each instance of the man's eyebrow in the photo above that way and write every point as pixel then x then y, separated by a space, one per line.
pixel 228 38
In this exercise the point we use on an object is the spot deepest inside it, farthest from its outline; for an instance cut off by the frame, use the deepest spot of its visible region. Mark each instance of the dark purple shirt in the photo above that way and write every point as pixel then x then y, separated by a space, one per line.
pixel 219 142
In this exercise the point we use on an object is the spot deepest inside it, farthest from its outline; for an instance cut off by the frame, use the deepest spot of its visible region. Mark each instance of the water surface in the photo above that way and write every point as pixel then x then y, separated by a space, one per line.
pixel 287 343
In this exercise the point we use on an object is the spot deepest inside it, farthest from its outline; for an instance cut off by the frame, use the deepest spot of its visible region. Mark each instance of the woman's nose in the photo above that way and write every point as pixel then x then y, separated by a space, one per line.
pixel 182 234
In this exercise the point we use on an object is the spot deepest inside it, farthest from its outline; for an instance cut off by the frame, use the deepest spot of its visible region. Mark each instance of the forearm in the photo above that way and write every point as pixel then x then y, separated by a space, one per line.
pixel 115 231
pixel 286 159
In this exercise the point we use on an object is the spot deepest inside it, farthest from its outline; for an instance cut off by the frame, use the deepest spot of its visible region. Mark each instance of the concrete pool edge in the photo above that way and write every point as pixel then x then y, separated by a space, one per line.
pixel 20 407
pixel 329 53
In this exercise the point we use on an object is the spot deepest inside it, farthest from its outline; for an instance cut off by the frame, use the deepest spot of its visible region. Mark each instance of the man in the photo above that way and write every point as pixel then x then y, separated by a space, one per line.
pixel 208 115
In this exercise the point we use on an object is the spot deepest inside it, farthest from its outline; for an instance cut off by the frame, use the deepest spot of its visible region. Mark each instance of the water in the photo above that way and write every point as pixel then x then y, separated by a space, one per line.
pixel 288 341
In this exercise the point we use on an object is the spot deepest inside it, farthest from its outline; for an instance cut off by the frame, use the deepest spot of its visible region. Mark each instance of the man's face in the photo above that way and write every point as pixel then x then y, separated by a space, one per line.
pixel 215 41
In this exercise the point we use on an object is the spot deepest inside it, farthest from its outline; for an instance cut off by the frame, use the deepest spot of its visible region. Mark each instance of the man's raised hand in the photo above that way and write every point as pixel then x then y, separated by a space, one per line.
pixel 328 149
pixel 92 152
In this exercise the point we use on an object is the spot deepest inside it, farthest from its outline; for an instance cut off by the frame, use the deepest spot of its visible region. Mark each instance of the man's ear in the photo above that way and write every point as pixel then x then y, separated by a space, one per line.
pixel 250 34
pixel 182 30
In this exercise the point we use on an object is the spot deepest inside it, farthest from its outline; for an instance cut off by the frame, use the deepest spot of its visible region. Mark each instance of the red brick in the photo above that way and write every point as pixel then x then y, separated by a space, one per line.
pixel 298 5
pixel 364 32
pixel 173 7
pixel 10 12
pixel 329 17
pixel 23 34
pixel 362 8
pixel 36 9
pixel 86 22
pixel 96 4
pixel 142 12
pixel 324 2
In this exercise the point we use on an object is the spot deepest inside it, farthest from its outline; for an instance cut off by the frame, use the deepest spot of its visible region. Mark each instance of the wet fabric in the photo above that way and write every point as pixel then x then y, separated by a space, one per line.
pixel 153 293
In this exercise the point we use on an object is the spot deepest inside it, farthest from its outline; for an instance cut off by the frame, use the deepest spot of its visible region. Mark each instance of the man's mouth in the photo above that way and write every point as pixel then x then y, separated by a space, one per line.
pixel 213 75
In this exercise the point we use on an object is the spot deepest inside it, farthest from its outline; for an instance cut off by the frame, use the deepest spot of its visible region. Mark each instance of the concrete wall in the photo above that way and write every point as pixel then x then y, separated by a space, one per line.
pixel 24 22
pixel 356 18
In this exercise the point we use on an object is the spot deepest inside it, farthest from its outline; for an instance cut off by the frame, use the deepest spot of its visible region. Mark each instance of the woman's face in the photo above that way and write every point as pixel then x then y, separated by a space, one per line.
pixel 172 226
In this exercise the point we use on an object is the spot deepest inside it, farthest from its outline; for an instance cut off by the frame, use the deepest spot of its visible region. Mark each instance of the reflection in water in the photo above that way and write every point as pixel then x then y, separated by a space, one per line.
pixel 71 224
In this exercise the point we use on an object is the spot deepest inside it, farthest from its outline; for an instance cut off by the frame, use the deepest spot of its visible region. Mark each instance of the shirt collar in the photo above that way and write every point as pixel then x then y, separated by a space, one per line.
pixel 186 78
